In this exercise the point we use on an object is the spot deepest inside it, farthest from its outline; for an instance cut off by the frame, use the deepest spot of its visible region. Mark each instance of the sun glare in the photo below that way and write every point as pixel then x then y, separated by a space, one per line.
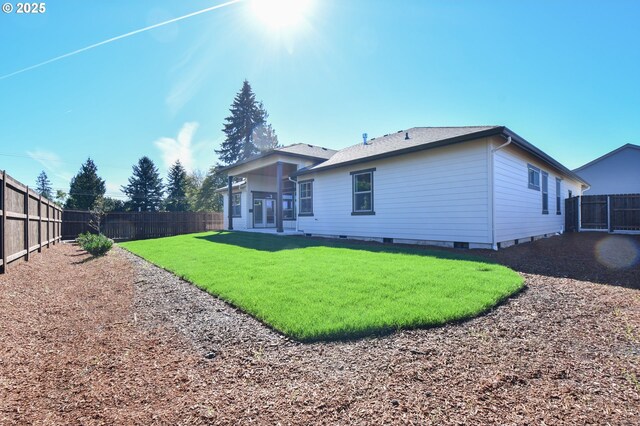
pixel 280 15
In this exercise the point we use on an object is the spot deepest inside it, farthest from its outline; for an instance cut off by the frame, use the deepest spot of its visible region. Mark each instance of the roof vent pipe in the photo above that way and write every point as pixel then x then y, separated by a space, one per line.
pixel 406 136
pixel 364 138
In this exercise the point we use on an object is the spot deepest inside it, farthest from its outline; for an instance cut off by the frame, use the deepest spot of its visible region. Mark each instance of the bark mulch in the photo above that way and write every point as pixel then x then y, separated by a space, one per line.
pixel 116 340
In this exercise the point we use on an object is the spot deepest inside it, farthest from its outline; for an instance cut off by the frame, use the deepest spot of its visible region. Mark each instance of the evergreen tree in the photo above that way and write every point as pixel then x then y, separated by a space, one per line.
pixel 177 183
pixel 246 116
pixel 43 186
pixel 112 205
pixel 86 187
pixel 208 199
pixel 194 185
pixel 145 187
pixel 61 197
pixel 264 136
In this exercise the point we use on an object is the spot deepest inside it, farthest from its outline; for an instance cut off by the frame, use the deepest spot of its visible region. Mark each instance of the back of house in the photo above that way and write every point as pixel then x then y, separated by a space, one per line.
pixel 476 187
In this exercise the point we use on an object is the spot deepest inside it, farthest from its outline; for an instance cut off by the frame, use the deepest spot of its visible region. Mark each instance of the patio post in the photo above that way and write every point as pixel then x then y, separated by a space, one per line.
pixel 230 198
pixel 279 225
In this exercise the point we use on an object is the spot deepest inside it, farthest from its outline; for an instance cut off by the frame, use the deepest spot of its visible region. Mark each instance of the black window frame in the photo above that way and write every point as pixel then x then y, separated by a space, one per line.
pixel 558 196
pixel 537 173
pixel 238 205
pixel 354 193
pixel 544 189
pixel 301 211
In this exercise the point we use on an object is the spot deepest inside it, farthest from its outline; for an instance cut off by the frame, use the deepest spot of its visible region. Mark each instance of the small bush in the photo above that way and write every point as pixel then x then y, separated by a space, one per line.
pixel 96 245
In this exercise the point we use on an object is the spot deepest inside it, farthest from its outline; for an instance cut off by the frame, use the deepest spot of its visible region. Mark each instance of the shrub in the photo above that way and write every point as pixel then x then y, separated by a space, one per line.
pixel 96 245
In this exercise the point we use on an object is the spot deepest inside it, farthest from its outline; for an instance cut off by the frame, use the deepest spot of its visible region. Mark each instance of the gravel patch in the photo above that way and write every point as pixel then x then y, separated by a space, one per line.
pixel 117 340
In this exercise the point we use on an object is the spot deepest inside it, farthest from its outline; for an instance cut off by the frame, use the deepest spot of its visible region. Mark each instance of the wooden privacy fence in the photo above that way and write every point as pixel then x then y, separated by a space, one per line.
pixel 29 221
pixel 140 225
pixel 613 213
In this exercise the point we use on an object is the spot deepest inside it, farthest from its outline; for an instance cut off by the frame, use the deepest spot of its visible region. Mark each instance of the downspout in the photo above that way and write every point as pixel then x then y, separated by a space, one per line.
pixel 493 190
pixel 295 183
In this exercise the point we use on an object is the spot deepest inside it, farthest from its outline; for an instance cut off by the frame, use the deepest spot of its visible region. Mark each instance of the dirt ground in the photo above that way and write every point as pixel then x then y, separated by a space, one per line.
pixel 116 340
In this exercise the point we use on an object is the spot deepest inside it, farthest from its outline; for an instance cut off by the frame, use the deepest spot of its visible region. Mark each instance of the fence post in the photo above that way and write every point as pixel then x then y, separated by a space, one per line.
pixel 26 222
pixel 40 224
pixel 579 213
pixel 3 224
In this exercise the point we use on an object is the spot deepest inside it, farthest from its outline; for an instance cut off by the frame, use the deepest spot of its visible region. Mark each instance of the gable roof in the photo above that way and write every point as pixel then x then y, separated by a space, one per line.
pixel 302 150
pixel 608 154
pixel 422 138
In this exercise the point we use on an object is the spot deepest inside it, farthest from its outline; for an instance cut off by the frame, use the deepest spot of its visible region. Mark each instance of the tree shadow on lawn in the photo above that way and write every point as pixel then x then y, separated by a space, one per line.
pixel 275 243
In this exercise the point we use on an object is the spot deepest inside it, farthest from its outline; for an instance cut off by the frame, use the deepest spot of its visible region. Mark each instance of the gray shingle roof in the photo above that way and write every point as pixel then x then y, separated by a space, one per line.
pixel 308 150
pixel 389 144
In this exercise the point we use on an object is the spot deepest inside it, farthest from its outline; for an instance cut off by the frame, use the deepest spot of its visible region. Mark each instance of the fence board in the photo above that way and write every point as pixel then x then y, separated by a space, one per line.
pixel 141 225
pixel 25 216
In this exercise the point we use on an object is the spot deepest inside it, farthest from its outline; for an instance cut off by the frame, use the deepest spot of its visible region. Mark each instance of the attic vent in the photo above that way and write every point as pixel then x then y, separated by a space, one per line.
pixel 386 135
pixel 406 136
pixel 324 149
pixel 310 146
pixel 400 131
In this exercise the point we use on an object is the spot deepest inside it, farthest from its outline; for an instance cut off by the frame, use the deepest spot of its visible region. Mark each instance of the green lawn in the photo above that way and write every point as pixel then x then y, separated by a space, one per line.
pixel 314 289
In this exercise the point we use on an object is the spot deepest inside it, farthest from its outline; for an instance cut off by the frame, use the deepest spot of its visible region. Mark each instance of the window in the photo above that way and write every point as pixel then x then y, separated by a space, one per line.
pixel 558 197
pixel 235 205
pixel 362 192
pixel 288 206
pixel 288 200
pixel 306 198
pixel 534 177
pixel 545 193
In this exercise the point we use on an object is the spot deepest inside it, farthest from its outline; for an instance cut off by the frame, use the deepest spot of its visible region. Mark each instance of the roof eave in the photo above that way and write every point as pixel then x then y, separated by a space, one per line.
pixel 269 153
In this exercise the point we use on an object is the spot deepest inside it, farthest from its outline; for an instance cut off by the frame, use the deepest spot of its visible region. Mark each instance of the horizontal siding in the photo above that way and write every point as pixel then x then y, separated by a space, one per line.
pixel 239 223
pixel 438 195
pixel 518 209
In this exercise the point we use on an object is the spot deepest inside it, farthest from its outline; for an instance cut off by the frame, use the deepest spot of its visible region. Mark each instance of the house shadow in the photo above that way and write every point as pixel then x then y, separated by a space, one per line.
pixel 275 243
pixel 596 257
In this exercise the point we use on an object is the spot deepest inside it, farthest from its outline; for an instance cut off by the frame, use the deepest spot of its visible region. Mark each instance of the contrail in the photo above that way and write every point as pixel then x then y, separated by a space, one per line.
pixel 150 27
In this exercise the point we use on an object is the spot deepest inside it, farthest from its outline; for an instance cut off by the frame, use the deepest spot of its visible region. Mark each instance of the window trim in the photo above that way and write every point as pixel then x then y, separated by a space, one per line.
pixel 239 205
pixel 558 196
pixel 302 213
pixel 530 168
pixel 544 191
pixel 354 174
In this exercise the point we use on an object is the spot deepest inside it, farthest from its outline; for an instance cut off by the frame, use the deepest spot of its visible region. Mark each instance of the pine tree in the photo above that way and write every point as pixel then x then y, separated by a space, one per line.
pixel 43 186
pixel 245 117
pixel 264 136
pixel 208 199
pixel 177 185
pixel 86 187
pixel 145 187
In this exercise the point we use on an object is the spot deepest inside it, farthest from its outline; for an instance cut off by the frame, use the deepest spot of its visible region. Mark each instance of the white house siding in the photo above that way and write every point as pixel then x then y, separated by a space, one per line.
pixel 239 223
pixel 437 195
pixel 616 174
pixel 518 209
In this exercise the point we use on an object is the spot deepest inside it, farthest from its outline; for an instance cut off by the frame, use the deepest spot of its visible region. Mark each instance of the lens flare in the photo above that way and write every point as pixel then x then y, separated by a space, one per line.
pixel 617 252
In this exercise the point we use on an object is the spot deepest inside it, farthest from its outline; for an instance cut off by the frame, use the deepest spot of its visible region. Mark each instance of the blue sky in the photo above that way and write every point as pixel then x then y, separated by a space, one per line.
pixel 564 75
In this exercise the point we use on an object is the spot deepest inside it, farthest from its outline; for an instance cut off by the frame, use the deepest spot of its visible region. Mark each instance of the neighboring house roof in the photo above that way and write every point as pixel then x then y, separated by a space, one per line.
pixel 235 185
pixel 302 150
pixel 609 154
pixel 422 138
